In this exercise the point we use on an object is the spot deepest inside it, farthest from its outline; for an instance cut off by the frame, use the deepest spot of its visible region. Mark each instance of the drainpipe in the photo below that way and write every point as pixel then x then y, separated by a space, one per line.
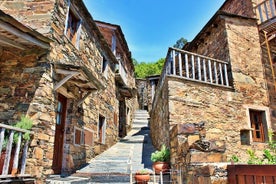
pixel 270 58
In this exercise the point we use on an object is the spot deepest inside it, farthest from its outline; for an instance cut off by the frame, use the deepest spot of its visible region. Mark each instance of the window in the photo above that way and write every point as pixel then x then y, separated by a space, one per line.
pixel 104 66
pixel 83 136
pixel 78 136
pixel 258 125
pixel 101 130
pixel 72 29
pixel 113 44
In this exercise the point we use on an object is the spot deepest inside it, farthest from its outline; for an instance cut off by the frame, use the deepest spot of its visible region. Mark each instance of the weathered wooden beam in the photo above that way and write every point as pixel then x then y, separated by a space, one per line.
pixel 65 79
pixel 216 72
pixel 83 98
pixel 199 68
pixel 24 157
pixel 174 67
pixel 193 66
pixel 2 137
pixel 204 70
pixel 5 170
pixel 187 65
pixel 12 43
pixel 269 38
pixel 180 64
pixel 221 74
pixel 226 75
pixel 15 128
pixel 210 71
pixel 16 155
pixel 22 34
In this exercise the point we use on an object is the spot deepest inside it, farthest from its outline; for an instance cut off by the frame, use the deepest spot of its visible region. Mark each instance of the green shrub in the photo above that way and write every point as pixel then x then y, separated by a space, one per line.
pixel 162 155
pixel 268 157
pixel 25 123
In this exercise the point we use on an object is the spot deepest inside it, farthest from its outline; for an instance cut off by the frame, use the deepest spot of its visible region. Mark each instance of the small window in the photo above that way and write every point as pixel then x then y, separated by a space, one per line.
pixel 104 66
pixel 72 30
pixel 245 137
pixel 78 136
pixel 113 44
pixel 101 130
pixel 258 125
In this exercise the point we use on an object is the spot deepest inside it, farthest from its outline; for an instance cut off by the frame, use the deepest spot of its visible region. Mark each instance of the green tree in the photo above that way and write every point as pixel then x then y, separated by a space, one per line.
pixel 143 69
pixel 180 43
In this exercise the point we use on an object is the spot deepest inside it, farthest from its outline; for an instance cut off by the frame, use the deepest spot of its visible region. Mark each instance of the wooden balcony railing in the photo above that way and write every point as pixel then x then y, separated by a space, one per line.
pixel 120 70
pixel 14 152
pixel 196 67
pixel 265 11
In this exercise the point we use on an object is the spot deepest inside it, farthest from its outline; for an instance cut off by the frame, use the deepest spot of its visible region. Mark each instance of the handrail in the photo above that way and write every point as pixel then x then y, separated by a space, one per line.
pixel 7 134
pixel 265 10
pixel 15 128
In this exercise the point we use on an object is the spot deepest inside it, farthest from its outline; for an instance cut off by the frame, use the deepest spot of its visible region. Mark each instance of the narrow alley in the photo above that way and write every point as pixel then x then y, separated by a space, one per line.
pixel 118 163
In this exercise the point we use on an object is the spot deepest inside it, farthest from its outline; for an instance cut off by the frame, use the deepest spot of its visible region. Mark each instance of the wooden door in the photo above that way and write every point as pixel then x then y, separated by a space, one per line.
pixel 59 134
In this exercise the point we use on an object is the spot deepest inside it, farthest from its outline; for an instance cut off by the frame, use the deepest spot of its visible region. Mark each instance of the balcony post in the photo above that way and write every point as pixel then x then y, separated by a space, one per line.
pixel 8 154
pixel 173 63
pixel 2 137
pixel 180 64
pixel 187 65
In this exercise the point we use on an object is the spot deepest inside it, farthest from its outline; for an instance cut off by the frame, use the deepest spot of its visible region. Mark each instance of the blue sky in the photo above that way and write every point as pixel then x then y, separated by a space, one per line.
pixel 151 26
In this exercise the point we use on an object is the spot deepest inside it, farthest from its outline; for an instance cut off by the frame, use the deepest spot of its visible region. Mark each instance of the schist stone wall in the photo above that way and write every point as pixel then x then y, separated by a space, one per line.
pixel 225 111
pixel 28 79
pixel 271 85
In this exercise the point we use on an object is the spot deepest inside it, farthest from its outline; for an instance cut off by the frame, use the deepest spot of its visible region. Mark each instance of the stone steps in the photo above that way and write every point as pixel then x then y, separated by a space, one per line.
pixel 116 164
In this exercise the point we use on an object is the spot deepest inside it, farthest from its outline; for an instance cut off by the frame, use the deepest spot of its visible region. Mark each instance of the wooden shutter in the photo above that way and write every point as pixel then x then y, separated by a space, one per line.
pixel 88 137
pixel 78 136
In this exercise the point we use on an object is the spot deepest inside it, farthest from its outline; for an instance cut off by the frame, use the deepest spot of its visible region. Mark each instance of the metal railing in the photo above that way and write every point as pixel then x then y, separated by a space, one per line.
pixel 14 149
pixel 265 10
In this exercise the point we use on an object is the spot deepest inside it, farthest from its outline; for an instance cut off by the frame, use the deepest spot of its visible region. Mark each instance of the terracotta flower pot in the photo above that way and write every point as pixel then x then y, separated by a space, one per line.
pixel 142 178
pixel 160 166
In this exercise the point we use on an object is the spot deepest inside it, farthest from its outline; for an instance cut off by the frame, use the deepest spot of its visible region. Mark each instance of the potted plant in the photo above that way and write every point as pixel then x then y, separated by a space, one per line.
pixel 142 176
pixel 160 159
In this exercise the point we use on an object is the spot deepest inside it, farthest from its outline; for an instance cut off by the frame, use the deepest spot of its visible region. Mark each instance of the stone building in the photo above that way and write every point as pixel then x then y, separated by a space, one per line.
pixel 152 82
pixel 124 74
pixel 142 93
pixel 61 73
pixel 215 98
pixel 146 90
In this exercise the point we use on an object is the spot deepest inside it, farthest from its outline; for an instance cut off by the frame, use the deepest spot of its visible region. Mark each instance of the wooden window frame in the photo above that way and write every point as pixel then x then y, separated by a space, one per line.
pixel 101 129
pixel 73 21
pixel 81 141
pixel 113 44
pixel 104 66
pixel 257 125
